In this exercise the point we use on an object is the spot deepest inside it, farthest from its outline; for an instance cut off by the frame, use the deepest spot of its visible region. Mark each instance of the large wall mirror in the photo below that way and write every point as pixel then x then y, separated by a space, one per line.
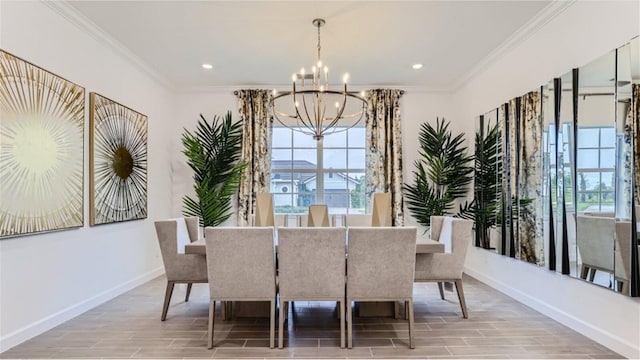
pixel 567 181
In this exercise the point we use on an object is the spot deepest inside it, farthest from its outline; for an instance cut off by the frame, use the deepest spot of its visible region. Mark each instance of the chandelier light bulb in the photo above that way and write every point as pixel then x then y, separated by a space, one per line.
pixel 345 78
pixel 321 88
pixel 297 104
pixel 274 92
pixel 293 77
pixel 337 104
pixel 302 72
pixel 319 64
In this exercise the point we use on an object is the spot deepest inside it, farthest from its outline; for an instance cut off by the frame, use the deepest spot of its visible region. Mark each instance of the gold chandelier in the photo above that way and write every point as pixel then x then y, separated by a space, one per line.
pixel 312 107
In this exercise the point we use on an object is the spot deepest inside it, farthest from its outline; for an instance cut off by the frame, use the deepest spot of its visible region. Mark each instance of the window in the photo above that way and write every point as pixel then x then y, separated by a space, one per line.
pixel 596 169
pixel 329 172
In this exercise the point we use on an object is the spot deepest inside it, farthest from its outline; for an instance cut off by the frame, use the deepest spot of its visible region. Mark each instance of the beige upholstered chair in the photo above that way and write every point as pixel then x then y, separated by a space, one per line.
pixel 179 267
pixel 241 264
pixel 381 267
pixel 318 217
pixel 311 266
pixel 381 213
pixel 622 259
pixel 596 236
pixel 357 220
pixel 264 210
pixel 440 267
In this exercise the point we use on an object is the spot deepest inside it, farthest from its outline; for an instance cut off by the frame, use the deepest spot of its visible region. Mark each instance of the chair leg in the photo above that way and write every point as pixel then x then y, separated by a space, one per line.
pixel 583 272
pixel 441 289
pixel 281 325
pixel 167 300
pixel 592 274
pixel 212 313
pixel 186 298
pixel 272 324
pixel 349 324
pixel 409 305
pixel 460 292
pixel 341 310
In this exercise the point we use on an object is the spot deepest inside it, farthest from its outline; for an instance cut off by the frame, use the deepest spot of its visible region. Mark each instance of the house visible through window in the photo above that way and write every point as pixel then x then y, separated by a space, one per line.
pixel 330 172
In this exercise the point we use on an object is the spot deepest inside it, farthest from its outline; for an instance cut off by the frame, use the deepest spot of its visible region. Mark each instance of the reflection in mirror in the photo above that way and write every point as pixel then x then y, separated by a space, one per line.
pixel 549 179
pixel 595 201
pixel 626 269
pixel 566 244
pixel 487 181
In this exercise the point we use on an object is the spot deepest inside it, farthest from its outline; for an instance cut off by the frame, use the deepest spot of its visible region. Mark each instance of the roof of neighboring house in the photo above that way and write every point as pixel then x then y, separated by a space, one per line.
pixel 287 165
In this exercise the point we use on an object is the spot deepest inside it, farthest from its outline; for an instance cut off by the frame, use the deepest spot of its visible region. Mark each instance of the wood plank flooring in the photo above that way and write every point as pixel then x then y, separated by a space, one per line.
pixel 129 326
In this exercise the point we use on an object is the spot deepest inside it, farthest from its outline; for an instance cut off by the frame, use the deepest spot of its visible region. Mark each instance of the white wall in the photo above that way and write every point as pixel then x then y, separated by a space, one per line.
pixel 48 278
pixel 580 34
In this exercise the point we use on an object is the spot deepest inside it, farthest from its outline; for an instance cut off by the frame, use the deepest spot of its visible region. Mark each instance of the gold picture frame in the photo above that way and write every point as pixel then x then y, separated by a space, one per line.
pixel 117 162
pixel 41 149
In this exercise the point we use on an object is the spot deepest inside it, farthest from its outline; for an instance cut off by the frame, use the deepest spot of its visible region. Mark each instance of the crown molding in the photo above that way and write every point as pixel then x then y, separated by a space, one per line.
pixel 229 89
pixel 555 8
pixel 79 20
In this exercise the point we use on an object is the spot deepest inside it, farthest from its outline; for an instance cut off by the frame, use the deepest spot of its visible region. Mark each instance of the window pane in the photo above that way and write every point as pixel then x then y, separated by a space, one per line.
pixel 588 137
pixel 282 203
pixel 337 201
pixel 303 140
pixel 357 193
pixel 587 159
pixel 281 154
pixel 608 137
pixel 588 181
pixel 305 159
pixel 281 137
pixel 607 158
pixel 302 202
pixel 338 139
pixel 335 158
pixel 357 137
pixel 356 158
pixel 607 181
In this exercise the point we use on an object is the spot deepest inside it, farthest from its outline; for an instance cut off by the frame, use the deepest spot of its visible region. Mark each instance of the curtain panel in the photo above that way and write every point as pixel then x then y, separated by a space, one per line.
pixel 253 106
pixel 384 149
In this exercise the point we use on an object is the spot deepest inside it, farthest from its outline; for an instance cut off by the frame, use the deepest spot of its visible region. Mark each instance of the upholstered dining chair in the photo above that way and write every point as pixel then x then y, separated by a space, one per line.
pixel 264 210
pixel 241 265
pixel 180 268
pixel 596 236
pixel 357 220
pixel 318 217
pixel 380 267
pixel 311 266
pixel 443 267
pixel 622 256
pixel 381 212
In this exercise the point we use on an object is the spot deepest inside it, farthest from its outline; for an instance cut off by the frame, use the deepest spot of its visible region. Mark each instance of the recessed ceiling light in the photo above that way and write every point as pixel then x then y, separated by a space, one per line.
pixel 207 66
pixel 417 66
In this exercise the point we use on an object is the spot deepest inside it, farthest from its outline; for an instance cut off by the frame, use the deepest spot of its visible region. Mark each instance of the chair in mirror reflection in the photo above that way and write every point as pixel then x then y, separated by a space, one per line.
pixel 241 265
pixel 264 210
pixel 180 268
pixel 381 210
pixel 318 216
pixel 441 267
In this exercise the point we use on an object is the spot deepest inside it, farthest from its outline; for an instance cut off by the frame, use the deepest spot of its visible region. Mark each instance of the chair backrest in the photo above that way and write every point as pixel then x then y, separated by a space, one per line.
pixel 264 210
pixel 241 262
pixel 622 259
pixel 381 262
pixel 448 266
pixel 381 213
pixel 596 241
pixel 357 220
pixel 311 263
pixel 318 216
pixel 177 264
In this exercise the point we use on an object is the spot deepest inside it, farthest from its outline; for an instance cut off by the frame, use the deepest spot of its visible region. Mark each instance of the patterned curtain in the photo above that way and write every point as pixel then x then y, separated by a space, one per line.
pixel 384 149
pixel 253 106
pixel 635 120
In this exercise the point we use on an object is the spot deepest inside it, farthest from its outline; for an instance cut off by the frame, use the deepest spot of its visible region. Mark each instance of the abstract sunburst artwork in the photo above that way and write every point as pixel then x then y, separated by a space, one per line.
pixel 118 162
pixel 41 149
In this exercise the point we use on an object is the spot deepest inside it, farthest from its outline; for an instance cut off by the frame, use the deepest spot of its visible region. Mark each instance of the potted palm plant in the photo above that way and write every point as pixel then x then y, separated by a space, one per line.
pixel 213 152
pixel 443 173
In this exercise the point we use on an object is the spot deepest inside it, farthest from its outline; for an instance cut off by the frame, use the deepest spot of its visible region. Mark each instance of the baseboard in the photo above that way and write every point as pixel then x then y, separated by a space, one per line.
pixel 596 334
pixel 38 327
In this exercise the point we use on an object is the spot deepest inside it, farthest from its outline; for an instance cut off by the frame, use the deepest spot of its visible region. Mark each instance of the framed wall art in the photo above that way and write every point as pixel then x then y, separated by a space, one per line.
pixel 41 149
pixel 117 162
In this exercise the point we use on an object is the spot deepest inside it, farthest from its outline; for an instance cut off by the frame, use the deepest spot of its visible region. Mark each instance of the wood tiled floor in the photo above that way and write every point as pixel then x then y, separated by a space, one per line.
pixel 129 326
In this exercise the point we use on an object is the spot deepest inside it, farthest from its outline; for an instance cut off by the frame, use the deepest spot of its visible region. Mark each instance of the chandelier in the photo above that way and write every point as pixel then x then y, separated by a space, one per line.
pixel 312 108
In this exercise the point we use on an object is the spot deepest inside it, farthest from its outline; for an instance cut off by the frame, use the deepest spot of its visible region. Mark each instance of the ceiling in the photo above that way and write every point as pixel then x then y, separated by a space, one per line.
pixel 262 43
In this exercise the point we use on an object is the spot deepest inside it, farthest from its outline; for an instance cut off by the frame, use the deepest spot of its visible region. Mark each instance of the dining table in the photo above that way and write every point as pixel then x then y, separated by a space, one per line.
pixel 366 309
